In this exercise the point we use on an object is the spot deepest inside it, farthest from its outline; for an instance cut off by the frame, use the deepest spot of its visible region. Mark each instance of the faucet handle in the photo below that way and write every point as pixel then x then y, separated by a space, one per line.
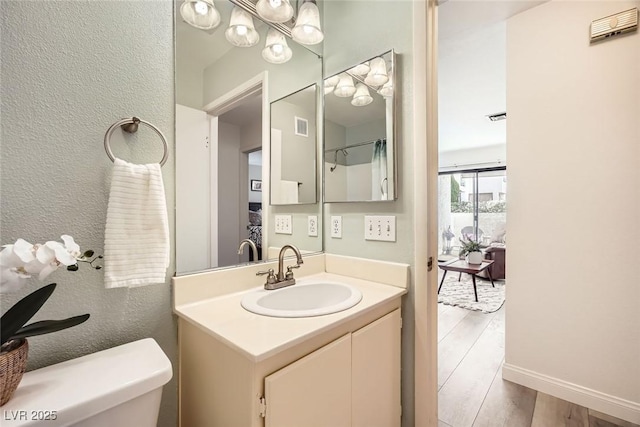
pixel 271 278
pixel 289 274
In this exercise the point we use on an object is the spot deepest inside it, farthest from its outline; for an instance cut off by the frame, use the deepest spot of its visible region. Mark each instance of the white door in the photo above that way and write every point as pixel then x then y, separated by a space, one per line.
pixel 315 391
pixel 193 191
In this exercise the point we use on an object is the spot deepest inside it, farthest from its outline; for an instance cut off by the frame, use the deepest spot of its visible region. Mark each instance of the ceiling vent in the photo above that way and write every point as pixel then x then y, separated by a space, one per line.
pixel 497 116
pixel 614 25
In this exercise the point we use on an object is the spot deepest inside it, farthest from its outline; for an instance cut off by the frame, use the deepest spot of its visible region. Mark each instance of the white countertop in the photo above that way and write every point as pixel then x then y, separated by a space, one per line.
pixel 259 337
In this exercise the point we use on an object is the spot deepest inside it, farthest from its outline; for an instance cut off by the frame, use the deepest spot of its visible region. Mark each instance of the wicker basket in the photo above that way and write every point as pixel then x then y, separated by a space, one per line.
pixel 12 365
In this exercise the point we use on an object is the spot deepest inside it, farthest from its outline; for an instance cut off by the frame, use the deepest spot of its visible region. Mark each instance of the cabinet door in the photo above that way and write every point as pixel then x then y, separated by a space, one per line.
pixel 376 373
pixel 314 391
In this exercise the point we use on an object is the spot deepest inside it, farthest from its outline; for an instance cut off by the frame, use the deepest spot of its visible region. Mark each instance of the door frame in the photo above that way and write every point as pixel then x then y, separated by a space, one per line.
pixel 228 101
pixel 425 128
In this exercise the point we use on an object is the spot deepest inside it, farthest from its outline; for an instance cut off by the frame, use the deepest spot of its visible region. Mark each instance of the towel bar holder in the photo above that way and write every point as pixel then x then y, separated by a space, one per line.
pixel 131 126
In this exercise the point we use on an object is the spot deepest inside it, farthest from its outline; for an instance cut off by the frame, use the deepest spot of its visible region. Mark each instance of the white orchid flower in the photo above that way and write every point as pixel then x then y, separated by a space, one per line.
pixel 72 247
pixel 11 279
pixel 22 259
pixel 24 250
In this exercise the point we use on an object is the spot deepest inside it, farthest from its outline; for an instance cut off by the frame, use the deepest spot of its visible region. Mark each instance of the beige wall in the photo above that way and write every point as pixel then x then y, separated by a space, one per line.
pixel 70 70
pixel 573 317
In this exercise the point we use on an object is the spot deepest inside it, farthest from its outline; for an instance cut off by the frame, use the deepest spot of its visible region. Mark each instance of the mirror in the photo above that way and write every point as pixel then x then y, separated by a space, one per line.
pixel 359 129
pixel 293 148
pixel 223 152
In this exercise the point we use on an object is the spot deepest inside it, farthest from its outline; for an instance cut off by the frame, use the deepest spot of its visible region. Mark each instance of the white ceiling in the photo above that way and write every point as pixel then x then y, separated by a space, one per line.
pixel 472 71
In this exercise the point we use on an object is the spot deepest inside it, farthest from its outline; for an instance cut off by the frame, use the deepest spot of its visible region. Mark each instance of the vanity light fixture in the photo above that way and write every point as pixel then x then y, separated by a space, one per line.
pixel 241 31
pixel 307 28
pixel 378 74
pixel 362 96
pixel 345 87
pixel 278 11
pixel 276 49
pixel 201 14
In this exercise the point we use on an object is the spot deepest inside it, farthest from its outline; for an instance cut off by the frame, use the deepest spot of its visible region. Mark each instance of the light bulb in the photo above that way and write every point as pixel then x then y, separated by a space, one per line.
pixel 241 30
pixel 201 8
pixel 278 11
pixel 277 49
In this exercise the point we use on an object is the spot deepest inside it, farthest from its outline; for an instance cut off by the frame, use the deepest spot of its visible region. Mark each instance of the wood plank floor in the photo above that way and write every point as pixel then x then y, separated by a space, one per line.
pixel 472 391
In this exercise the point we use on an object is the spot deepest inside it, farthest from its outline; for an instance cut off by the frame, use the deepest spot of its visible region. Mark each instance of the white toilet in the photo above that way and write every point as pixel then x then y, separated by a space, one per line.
pixel 121 386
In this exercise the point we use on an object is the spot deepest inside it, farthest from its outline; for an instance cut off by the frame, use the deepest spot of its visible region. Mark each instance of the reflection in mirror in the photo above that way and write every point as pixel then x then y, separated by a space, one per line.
pixel 359 149
pixel 293 148
pixel 223 94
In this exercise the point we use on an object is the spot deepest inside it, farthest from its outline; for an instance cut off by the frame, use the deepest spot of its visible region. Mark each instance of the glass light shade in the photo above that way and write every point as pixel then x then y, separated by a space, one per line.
pixel 330 83
pixel 387 88
pixel 276 49
pixel 362 97
pixel 378 74
pixel 241 31
pixel 201 14
pixel 345 87
pixel 275 10
pixel 360 69
pixel 307 29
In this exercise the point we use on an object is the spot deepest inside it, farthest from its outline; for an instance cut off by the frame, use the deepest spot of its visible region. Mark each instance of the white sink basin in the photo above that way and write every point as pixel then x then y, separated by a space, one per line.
pixel 303 299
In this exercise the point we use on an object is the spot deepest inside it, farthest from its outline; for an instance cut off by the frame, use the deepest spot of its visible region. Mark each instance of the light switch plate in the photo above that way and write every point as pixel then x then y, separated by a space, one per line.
pixel 382 228
pixel 312 225
pixel 283 224
pixel 336 227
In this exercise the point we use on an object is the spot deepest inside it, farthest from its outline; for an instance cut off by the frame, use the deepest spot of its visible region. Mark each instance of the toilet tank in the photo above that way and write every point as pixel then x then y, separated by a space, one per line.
pixel 120 386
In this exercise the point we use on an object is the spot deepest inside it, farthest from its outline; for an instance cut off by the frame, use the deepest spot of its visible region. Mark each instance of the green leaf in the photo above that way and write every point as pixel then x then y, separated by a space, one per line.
pixel 73 267
pixel 88 254
pixel 48 326
pixel 18 315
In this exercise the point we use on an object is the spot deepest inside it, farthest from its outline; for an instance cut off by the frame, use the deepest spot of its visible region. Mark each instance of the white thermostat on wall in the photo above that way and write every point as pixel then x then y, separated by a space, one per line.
pixel 614 25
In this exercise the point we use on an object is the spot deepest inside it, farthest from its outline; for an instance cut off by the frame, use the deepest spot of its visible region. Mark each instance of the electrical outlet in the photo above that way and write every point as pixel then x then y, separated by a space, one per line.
pixel 312 225
pixel 381 228
pixel 283 224
pixel 336 227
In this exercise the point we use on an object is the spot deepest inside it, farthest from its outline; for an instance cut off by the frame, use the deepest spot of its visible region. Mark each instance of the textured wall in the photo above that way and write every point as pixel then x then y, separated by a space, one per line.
pixel 69 70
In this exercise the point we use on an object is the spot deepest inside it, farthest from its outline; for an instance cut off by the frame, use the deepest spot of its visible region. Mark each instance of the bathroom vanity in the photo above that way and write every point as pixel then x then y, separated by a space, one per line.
pixel 237 368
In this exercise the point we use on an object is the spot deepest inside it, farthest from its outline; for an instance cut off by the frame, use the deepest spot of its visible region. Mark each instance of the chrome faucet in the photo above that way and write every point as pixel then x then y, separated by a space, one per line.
pixel 254 250
pixel 281 279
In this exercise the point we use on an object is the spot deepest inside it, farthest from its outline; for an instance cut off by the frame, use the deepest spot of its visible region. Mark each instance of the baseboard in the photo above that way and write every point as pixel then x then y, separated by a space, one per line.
pixel 593 399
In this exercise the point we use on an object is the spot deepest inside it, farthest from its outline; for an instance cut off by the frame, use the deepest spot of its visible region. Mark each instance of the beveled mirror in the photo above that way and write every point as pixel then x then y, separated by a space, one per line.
pixel 359 129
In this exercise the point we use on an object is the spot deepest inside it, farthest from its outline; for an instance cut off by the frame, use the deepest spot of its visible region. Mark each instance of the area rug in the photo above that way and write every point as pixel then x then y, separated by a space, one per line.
pixel 460 293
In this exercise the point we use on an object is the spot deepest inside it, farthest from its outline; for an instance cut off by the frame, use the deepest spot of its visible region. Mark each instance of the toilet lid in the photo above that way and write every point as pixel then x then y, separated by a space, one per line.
pixel 80 388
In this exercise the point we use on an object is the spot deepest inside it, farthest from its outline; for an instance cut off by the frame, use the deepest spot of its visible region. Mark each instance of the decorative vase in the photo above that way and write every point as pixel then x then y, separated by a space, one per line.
pixel 474 257
pixel 13 363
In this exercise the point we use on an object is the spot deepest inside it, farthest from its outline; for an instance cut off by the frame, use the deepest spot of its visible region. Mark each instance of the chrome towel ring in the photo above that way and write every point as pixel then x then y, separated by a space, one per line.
pixel 131 126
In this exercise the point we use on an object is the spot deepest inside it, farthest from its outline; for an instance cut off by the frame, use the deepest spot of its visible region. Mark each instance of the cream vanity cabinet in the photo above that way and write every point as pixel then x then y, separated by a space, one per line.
pixel 348 375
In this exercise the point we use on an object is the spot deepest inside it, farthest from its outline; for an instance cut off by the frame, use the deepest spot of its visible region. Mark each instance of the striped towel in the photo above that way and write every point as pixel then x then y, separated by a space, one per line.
pixel 136 243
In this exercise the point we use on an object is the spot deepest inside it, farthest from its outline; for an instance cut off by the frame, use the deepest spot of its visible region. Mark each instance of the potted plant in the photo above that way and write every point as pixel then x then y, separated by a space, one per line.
pixel 17 263
pixel 471 249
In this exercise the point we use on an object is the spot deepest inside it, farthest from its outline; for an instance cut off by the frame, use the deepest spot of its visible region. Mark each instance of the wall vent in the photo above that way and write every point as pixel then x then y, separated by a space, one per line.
pixel 497 116
pixel 301 126
pixel 614 25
